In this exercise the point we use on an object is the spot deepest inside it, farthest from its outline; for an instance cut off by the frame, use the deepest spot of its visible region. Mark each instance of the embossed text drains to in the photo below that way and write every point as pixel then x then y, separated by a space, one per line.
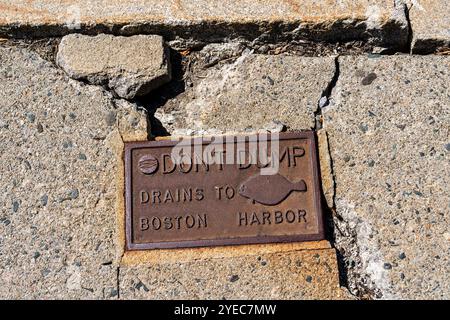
pixel 222 190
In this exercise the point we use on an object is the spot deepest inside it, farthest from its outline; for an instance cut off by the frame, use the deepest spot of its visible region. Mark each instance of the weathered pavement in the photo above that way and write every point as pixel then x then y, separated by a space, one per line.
pixel 380 22
pixel 430 21
pixel 388 125
pixel 58 153
pixel 60 234
pixel 383 123
pixel 389 24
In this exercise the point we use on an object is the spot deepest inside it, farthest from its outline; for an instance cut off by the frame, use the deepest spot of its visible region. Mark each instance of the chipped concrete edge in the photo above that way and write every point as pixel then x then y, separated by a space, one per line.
pixel 387 29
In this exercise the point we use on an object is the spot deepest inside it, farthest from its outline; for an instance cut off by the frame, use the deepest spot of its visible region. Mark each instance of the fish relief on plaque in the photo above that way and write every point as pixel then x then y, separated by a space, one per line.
pixel 269 190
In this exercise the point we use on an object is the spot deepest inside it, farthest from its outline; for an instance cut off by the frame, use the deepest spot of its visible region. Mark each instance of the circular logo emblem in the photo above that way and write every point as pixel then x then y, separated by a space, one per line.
pixel 148 164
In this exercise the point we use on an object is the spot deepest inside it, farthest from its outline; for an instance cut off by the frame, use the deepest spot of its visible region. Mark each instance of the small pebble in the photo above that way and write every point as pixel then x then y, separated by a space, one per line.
pixel 323 102
pixel 387 266
pixel 45 272
pixel 74 193
pixel 363 127
pixel 31 117
pixel 15 206
pixel 402 255
pixel 308 279
pixel 234 278
pixel 368 79
pixel 67 144
pixel 44 200
pixel 113 293
pixel 140 285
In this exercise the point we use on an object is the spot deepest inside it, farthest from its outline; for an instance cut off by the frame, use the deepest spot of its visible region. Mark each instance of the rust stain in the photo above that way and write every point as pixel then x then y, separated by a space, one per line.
pixel 185 52
pixel 179 10
pixel 309 13
pixel 294 5
pixel 177 5
pixel 18 9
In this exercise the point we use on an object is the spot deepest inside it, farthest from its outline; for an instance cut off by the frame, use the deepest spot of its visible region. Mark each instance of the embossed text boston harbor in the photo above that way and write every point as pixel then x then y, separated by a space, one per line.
pixel 222 190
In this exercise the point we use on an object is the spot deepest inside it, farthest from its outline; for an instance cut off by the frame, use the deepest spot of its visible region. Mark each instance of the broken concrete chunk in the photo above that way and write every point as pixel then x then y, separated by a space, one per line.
pixel 430 22
pixel 131 66
pixel 250 94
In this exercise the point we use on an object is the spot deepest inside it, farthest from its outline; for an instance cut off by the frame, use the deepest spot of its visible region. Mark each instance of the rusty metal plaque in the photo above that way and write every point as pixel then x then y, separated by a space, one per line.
pixel 222 190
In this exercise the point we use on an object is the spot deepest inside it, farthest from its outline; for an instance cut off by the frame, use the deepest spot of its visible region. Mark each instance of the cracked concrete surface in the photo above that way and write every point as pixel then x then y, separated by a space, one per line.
pixel 251 93
pixel 384 120
pixel 59 140
pixel 390 161
pixel 381 23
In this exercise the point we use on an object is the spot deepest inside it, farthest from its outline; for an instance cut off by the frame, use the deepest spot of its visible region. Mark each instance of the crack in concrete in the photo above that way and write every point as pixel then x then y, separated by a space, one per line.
pixel 46 48
pixel 118 282
pixel 201 32
pixel 410 29
pixel 325 96
pixel 332 218
pixel 344 233
pixel 344 236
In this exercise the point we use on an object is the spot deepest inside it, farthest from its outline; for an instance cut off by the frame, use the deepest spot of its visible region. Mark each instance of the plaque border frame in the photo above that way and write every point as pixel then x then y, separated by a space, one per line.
pixel 310 136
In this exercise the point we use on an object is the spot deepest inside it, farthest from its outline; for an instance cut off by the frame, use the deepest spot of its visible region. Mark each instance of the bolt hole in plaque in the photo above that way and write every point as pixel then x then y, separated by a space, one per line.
pixel 223 190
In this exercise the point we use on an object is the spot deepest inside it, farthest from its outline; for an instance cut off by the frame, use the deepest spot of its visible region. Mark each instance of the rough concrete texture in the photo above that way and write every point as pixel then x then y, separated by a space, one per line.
pixel 377 21
pixel 131 66
pixel 305 274
pixel 57 185
pixel 58 223
pixel 388 128
pixel 430 22
pixel 251 93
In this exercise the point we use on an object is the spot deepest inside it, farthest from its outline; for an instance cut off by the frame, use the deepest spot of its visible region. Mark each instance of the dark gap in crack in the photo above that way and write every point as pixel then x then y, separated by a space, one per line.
pixel 329 215
pixel 331 229
pixel 118 282
pixel 325 96
pixel 352 279
pixel 410 30
pixel 46 48
pixel 161 95
pixel 330 212
pixel 337 228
